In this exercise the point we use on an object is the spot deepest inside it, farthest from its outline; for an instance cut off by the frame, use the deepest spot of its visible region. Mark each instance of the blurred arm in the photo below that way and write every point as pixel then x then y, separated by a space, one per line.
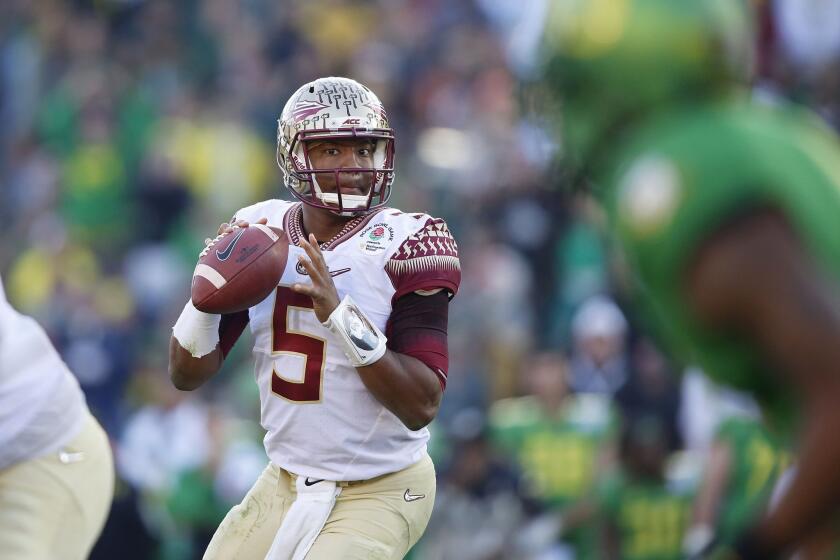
pixel 755 276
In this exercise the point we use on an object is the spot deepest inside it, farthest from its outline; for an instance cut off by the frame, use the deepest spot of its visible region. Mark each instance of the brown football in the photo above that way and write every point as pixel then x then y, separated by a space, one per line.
pixel 239 269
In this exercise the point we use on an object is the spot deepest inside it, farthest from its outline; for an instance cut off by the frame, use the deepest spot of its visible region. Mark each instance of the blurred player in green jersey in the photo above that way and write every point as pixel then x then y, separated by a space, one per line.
pixel 728 212
pixel 644 517
pixel 561 442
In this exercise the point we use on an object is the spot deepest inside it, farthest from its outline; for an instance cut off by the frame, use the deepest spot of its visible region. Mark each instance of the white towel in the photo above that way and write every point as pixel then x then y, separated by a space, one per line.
pixel 304 520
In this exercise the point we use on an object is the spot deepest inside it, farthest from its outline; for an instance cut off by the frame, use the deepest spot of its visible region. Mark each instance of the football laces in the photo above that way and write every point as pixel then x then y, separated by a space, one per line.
pixel 209 243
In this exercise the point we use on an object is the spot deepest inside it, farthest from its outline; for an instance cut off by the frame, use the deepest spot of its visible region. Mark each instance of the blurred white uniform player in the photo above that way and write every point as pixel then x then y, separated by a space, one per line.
pixel 56 468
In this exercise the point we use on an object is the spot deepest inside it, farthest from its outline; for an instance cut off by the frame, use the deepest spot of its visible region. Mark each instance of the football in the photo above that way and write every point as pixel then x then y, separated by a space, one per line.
pixel 239 269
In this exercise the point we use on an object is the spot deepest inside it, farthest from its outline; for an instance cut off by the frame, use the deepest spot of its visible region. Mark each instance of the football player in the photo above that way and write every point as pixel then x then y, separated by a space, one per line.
pixel 727 211
pixel 56 467
pixel 351 348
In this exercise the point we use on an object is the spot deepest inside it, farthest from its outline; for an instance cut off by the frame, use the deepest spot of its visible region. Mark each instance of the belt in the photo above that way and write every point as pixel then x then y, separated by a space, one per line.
pixel 340 483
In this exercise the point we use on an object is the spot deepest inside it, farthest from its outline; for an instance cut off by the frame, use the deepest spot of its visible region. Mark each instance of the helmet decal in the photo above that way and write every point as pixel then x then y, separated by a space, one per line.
pixel 306 108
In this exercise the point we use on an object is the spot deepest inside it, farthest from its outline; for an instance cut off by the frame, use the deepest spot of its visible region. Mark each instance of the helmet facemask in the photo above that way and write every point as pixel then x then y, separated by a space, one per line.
pixel 304 176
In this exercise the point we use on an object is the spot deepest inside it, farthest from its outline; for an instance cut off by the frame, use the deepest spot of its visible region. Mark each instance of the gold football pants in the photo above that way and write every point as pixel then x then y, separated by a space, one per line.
pixel 53 507
pixel 377 519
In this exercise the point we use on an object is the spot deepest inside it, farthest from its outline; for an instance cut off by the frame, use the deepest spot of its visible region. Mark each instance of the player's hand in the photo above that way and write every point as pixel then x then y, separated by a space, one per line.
pixel 322 289
pixel 225 227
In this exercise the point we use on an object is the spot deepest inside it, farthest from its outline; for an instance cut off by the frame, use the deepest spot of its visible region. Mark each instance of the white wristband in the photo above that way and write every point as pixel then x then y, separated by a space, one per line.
pixel 197 332
pixel 362 342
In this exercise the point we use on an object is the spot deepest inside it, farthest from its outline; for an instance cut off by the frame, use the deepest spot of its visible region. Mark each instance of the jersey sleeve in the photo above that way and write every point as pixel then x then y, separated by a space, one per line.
pixel 426 260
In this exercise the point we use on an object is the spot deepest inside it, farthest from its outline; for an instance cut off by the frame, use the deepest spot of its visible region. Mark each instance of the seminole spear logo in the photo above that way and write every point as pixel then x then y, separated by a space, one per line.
pixel 305 109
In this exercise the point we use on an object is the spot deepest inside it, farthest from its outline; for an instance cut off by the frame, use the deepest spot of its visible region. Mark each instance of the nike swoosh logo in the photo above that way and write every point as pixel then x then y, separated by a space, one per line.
pixel 335 273
pixel 409 497
pixel 308 482
pixel 67 458
pixel 223 255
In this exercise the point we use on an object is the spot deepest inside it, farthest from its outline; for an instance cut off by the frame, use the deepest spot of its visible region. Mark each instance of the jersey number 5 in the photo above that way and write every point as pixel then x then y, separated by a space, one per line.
pixel 287 341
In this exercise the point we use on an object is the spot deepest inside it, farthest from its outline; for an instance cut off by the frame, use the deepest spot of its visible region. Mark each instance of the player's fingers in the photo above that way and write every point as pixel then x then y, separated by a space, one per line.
pixel 262 221
pixel 316 248
pixel 222 228
pixel 305 289
pixel 314 252
pixel 308 248
pixel 317 260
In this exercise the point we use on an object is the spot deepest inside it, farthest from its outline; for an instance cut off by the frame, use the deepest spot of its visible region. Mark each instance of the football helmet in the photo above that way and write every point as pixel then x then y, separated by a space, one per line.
pixel 608 63
pixel 335 108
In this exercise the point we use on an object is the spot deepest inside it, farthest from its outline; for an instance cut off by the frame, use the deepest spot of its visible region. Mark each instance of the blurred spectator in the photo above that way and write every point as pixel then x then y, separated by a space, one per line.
pixel 644 515
pixel 478 507
pixel 495 310
pixel 166 437
pixel 809 32
pixel 599 363
pixel 562 442
pixel 580 266
pixel 652 389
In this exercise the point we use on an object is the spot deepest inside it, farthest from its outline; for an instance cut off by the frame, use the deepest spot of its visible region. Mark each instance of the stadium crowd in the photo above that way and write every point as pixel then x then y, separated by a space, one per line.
pixel 133 128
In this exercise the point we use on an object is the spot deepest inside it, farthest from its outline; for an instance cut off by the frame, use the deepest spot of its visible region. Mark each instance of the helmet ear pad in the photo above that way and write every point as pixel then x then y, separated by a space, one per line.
pixel 337 109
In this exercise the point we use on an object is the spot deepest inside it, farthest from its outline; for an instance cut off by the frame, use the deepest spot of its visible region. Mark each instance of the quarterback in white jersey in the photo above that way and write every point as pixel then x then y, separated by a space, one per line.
pixel 350 349
pixel 56 469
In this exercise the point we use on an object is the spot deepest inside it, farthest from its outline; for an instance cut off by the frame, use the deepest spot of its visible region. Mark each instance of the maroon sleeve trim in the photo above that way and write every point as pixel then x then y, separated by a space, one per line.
pixel 428 283
pixel 230 329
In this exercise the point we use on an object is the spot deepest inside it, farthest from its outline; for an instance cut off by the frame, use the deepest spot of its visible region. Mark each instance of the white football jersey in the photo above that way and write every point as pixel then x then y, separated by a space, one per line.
pixel 321 420
pixel 41 404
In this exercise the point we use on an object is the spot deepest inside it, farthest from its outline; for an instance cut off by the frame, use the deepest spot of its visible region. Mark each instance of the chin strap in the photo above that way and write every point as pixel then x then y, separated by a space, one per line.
pixel 349 201
pixel 362 342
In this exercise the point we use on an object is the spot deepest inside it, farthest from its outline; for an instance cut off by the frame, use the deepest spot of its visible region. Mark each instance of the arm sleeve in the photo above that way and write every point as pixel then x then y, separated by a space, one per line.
pixel 417 328
pixel 427 260
pixel 230 329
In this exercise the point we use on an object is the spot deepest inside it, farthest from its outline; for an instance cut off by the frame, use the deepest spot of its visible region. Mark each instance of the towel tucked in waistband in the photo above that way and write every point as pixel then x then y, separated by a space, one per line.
pixel 305 519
